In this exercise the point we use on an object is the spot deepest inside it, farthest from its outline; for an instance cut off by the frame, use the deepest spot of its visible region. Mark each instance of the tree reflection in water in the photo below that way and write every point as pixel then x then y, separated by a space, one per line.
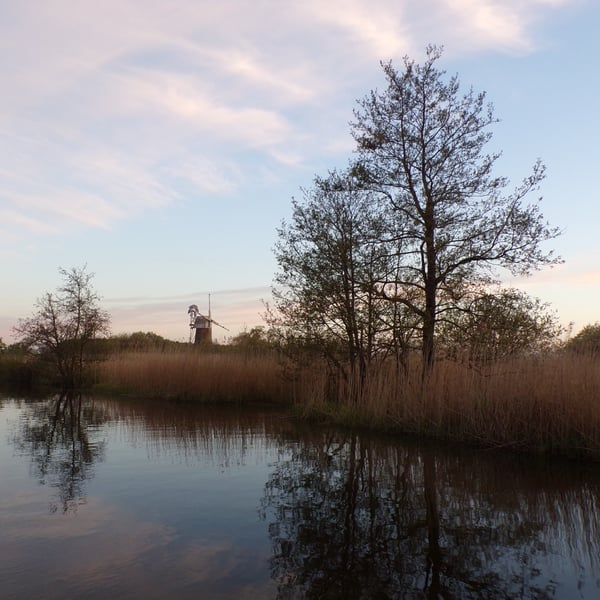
pixel 56 435
pixel 351 519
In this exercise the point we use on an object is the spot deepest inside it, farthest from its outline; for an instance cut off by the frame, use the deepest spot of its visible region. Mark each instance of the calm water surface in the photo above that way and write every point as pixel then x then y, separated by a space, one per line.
pixel 109 499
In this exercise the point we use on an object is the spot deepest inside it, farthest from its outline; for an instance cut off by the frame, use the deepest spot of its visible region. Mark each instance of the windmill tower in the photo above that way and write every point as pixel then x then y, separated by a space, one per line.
pixel 201 325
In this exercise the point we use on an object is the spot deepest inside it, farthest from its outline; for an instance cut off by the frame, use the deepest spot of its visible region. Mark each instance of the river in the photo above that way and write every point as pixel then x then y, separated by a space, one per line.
pixel 103 498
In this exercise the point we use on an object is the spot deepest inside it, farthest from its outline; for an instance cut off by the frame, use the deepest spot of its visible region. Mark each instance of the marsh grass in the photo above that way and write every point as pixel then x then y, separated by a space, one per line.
pixel 194 375
pixel 544 404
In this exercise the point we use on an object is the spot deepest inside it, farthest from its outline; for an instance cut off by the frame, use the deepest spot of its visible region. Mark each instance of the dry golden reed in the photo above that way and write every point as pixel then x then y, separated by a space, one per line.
pixel 549 403
pixel 196 375
pixel 535 403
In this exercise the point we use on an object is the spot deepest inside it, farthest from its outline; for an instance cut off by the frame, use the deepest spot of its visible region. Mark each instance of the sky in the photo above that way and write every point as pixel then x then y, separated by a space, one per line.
pixel 161 143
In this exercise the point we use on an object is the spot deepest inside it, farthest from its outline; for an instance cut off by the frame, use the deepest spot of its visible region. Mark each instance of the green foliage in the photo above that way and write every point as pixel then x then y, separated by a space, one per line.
pixel 254 341
pixel 498 324
pixel 138 341
pixel 333 257
pixel 17 369
pixel 587 341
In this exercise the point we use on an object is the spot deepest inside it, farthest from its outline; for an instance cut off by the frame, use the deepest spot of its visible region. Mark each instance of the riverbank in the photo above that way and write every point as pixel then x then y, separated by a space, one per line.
pixel 538 404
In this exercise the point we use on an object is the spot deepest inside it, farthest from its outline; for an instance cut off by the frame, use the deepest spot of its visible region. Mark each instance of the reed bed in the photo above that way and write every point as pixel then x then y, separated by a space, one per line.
pixel 547 404
pixel 195 375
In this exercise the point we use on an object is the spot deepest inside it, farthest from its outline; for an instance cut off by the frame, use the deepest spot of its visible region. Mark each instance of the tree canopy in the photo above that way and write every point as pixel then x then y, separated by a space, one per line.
pixel 497 323
pixel 586 341
pixel 415 225
pixel 421 146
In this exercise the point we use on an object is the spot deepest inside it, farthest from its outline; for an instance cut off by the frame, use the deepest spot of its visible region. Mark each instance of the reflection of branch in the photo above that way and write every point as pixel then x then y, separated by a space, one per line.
pixel 55 435
pixel 434 552
pixel 352 519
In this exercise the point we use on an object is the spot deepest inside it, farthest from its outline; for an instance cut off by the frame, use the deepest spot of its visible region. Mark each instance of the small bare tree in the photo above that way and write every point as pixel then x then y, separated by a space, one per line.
pixel 65 324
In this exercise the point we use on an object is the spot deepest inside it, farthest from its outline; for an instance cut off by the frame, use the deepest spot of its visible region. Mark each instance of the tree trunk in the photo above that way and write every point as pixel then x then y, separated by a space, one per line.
pixel 430 289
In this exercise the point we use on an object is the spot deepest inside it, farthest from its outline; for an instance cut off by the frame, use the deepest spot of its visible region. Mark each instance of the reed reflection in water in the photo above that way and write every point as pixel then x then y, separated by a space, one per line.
pixel 160 499
pixel 352 518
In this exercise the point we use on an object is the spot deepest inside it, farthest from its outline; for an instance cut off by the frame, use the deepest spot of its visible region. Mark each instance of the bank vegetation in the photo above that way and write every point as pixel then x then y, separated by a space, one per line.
pixel 543 403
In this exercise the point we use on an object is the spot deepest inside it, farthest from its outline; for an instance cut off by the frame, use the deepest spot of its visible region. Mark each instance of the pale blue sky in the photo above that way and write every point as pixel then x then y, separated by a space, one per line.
pixel 160 143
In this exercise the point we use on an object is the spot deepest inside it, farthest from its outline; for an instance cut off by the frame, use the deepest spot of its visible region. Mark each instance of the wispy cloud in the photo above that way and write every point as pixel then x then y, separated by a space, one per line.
pixel 575 276
pixel 490 23
pixel 379 27
pixel 115 108
pixel 14 219
pixel 572 287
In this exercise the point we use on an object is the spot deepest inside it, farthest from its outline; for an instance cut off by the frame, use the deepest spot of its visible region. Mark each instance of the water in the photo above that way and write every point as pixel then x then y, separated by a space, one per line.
pixel 102 498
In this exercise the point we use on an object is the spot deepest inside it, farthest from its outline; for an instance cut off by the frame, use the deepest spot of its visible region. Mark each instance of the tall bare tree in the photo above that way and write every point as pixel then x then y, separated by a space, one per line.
pixel 421 145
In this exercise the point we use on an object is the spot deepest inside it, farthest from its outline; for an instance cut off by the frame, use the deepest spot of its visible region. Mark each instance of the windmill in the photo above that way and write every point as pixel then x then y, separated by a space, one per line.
pixel 201 325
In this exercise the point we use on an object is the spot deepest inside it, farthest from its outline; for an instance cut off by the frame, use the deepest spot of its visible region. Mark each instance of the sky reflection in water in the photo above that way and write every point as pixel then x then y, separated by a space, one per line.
pixel 101 498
